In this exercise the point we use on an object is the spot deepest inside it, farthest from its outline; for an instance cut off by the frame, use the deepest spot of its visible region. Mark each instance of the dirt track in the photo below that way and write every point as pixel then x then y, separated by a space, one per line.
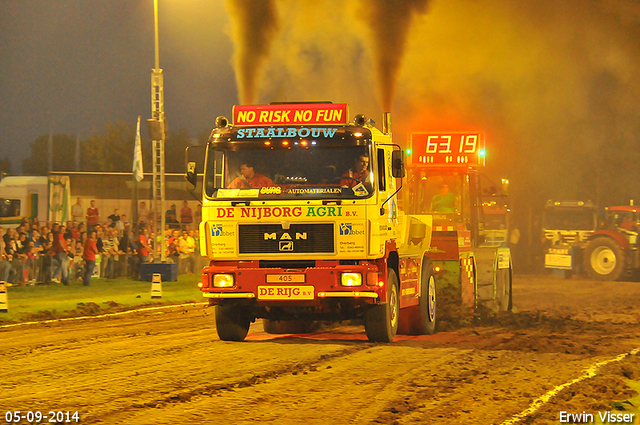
pixel 168 366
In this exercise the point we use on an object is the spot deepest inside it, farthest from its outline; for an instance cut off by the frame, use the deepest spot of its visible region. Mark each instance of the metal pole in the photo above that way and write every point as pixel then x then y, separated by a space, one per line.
pixel 155 21
pixel 157 113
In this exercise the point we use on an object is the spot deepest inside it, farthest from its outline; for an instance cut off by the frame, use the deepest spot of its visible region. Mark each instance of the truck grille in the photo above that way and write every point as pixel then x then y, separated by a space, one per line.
pixel 569 237
pixel 298 239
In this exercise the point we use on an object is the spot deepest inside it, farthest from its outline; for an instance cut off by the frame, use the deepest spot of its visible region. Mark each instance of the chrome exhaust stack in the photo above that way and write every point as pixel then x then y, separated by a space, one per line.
pixel 386 122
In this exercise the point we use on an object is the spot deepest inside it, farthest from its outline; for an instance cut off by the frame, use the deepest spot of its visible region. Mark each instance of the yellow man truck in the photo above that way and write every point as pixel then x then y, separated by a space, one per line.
pixel 301 223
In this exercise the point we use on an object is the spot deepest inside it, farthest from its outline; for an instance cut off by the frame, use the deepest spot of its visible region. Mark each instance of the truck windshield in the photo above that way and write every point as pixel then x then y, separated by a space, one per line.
pixel 569 219
pixel 302 171
pixel 436 193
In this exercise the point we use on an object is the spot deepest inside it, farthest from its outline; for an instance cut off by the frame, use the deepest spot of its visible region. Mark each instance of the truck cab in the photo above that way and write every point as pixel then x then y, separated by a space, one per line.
pixel 301 223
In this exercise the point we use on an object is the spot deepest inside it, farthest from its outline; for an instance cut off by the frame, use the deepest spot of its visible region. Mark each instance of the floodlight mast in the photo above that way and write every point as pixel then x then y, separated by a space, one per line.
pixel 156 127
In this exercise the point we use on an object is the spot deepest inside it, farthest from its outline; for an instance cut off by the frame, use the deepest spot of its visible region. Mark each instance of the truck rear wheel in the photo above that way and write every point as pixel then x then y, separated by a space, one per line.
pixel 381 321
pixel 290 326
pixel 232 323
pixel 504 296
pixel 604 259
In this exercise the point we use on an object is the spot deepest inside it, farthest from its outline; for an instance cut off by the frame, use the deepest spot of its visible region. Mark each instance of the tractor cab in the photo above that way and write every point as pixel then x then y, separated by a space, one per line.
pixel 624 219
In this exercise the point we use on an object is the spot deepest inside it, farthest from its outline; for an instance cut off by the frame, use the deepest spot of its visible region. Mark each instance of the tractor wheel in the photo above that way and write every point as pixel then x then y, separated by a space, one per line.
pixel 232 323
pixel 504 296
pixel 604 259
pixel 381 321
pixel 290 326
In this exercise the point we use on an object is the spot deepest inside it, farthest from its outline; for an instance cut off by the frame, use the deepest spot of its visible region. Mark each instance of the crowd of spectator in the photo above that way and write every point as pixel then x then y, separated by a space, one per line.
pixel 86 246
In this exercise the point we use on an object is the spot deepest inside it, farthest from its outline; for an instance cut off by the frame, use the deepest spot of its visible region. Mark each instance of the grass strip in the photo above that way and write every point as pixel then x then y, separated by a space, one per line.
pixel 56 300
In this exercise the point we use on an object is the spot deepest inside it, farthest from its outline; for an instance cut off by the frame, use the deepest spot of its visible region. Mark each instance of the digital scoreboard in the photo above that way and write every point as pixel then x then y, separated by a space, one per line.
pixel 453 149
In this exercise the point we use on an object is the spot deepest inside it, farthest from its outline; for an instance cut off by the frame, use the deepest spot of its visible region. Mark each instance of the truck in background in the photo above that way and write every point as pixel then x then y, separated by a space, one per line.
pixel 567 227
pixel 580 240
pixel 315 236
pixel 45 198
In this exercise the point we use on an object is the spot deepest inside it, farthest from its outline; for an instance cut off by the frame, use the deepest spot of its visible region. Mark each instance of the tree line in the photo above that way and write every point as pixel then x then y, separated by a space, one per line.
pixel 111 151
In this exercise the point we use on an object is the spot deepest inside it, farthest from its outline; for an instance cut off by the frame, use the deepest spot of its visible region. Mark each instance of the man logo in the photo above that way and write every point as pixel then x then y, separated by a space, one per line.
pixel 286 245
pixel 284 236
pixel 345 229
pixel 216 230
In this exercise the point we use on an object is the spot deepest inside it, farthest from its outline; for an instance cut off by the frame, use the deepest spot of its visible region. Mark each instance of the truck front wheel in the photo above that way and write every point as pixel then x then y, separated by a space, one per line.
pixel 421 319
pixel 232 323
pixel 381 321
pixel 604 259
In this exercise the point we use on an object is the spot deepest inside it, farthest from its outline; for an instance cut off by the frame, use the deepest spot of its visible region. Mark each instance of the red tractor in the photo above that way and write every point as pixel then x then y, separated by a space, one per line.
pixel 612 251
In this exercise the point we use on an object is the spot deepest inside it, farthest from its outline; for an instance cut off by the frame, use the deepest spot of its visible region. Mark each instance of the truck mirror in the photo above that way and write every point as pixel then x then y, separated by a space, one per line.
pixel 397 164
pixel 192 174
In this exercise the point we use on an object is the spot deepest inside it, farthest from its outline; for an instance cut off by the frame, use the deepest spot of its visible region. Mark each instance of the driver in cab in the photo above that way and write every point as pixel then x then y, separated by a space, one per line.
pixel 444 201
pixel 359 173
pixel 249 179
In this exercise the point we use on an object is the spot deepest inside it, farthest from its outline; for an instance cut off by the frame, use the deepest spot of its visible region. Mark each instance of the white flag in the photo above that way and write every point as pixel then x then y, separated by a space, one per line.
pixel 137 156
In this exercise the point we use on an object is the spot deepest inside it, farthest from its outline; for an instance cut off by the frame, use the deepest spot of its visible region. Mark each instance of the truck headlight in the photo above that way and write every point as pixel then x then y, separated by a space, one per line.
pixel 351 279
pixel 222 280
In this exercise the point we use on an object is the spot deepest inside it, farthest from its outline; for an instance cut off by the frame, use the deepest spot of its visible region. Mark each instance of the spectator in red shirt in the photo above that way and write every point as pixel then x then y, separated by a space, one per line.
pixel 143 246
pixel 250 179
pixel 75 230
pixel 93 215
pixel 89 255
pixel 60 249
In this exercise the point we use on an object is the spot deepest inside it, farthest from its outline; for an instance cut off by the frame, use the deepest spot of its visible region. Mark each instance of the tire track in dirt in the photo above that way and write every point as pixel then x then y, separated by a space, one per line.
pixel 169 367
pixel 392 403
pixel 337 388
pixel 370 378
pixel 563 394
pixel 481 387
pixel 232 385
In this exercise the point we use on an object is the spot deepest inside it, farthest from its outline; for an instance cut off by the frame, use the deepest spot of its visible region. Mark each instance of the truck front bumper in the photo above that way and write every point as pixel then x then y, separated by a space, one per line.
pixel 279 286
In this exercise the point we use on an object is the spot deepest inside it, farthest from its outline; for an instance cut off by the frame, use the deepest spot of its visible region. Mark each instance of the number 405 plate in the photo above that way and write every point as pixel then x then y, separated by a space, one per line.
pixel 282 278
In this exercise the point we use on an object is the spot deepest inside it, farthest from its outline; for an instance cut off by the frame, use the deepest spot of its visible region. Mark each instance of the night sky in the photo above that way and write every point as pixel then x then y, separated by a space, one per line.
pixel 554 85
pixel 74 65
